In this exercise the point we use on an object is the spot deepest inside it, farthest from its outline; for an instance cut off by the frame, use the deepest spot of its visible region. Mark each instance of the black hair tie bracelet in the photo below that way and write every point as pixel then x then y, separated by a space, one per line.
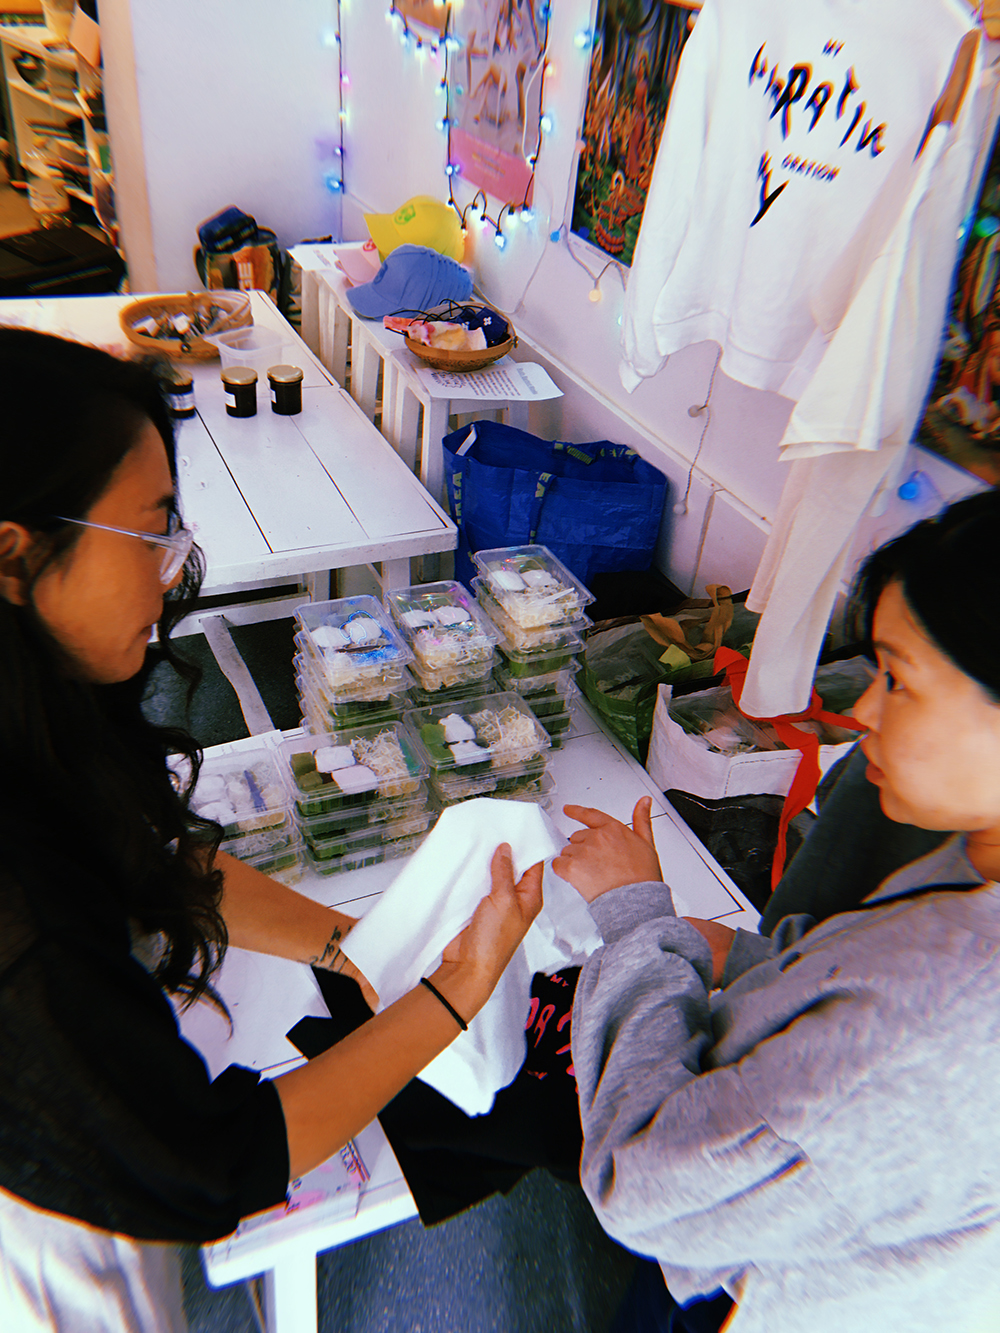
pixel 451 1009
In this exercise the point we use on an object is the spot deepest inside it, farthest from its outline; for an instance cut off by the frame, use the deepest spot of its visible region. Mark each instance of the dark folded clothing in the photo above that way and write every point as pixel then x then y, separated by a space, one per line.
pixel 452 1160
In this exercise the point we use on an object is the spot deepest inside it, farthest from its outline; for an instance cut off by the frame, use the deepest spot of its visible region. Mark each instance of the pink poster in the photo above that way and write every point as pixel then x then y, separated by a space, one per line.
pixel 495 79
pixel 431 13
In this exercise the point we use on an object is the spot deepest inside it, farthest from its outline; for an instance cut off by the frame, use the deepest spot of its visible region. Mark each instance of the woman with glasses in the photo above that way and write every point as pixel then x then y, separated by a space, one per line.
pixel 114 1142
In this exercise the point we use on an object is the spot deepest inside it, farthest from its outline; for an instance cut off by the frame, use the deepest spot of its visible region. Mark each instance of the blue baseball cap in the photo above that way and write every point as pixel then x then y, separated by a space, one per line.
pixel 413 278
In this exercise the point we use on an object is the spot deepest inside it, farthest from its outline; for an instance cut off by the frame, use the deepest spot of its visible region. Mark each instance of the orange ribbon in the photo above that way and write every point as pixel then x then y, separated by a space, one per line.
pixel 807 775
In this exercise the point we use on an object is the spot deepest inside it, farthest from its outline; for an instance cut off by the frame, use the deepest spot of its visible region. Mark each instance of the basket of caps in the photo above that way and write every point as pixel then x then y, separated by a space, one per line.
pixel 464 336
pixel 177 326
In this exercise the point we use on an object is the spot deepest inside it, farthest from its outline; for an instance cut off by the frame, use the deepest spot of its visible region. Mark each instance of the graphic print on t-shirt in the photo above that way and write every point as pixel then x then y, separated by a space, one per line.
pixel 791 147
pixel 806 99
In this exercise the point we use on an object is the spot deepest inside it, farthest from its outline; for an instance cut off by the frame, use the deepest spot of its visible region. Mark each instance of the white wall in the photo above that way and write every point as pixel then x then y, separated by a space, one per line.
pixel 395 151
pixel 232 102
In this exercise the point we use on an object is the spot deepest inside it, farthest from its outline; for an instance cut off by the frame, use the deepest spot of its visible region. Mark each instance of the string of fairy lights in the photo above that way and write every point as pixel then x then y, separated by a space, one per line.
pixel 443 47
pixel 448 44
pixel 333 37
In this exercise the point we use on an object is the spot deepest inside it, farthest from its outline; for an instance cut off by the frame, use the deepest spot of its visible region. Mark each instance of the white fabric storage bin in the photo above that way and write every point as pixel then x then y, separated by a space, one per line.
pixel 677 760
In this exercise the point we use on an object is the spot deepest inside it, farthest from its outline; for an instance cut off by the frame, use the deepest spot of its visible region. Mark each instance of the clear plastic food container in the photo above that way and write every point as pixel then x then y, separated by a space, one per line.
pixel 548 697
pixel 516 637
pixel 337 771
pixel 470 689
pixel 521 782
pixel 449 678
pixel 363 856
pixel 243 791
pixel 559 683
pixel 336 715
pixel 281 863
pixel 379 835
pixel 442 624
pixel 541 661
pixel 374 689
pixel 482 741
pixel 532 585
pixel 354 645
pixel 339 823
pixel 558 725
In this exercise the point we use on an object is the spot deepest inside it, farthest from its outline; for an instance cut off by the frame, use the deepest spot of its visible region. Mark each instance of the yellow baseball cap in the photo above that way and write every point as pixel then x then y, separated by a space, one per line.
pixel 420 221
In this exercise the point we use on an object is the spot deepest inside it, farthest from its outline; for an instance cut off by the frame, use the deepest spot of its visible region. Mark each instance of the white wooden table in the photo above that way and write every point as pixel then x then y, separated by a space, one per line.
pixel 267 996
pixel 413 421
pixel 276 499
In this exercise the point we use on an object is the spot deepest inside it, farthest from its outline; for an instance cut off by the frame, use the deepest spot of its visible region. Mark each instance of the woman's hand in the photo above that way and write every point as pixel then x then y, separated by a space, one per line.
pixel 607 854
pixel 500 923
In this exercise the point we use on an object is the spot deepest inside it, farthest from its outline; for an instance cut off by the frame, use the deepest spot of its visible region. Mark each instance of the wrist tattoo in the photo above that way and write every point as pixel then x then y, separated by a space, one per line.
pixel 331 952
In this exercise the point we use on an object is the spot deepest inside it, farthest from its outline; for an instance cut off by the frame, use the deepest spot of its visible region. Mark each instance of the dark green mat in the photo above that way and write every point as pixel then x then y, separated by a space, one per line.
pixel 215 714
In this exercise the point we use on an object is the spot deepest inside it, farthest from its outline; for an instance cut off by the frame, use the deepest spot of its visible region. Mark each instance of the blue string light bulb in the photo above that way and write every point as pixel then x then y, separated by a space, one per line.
pixel 332 39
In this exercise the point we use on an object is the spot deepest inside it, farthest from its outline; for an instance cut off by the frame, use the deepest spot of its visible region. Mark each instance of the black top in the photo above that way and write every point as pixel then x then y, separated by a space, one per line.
pixel 106 1114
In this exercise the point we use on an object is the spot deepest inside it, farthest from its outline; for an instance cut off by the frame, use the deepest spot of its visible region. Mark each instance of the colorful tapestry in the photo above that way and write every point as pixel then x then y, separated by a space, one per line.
pixel 962 421
pixel 637 44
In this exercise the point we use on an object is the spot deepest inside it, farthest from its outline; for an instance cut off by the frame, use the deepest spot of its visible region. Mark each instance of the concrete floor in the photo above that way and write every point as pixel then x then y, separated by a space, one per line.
pixel 531 1261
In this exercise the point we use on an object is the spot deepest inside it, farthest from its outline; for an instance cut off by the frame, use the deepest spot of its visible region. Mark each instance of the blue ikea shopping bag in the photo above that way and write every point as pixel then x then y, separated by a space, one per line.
pixel 596 506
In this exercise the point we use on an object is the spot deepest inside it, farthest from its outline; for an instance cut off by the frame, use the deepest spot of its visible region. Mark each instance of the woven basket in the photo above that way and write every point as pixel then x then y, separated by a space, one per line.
pixel 234 313
pixel 440 358
pixel 443 359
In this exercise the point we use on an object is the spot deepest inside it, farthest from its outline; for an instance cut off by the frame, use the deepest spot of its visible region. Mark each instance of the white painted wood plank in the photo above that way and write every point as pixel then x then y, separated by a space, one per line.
pixel 212 504
pixel 294 500
pixel 380 489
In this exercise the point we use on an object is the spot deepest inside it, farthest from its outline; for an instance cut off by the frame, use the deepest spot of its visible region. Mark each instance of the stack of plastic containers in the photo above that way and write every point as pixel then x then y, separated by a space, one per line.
pixel 487 746
pixel 351 665
pixel 536 605
pixel 452 642
pixel 244 792
pixel 359 796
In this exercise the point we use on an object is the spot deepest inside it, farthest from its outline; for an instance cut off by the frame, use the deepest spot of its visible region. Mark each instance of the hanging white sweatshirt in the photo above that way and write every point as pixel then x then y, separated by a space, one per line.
pixel 787 159
pixel 847 437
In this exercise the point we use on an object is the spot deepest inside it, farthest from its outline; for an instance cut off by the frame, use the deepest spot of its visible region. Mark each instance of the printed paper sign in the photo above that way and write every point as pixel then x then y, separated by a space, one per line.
pixel 505 380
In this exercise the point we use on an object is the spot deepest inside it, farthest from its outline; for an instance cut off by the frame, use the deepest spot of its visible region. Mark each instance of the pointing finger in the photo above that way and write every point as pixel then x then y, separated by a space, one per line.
pixel 585 814
pixel 642 820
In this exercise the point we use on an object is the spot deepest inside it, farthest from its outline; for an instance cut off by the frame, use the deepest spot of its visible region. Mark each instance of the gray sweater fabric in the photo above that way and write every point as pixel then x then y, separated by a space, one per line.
pixel 821 1139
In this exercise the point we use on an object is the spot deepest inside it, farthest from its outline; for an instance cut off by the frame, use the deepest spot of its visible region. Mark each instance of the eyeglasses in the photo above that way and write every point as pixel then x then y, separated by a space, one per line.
pixel 176 545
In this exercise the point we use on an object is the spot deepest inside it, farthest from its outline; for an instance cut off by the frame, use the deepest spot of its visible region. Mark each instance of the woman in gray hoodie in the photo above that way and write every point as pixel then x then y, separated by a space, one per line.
pixel 808 1122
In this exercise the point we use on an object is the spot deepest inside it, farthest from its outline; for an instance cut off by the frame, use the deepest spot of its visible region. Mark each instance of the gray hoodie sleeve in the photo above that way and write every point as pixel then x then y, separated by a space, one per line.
pixel 748 949
pixel 669 1142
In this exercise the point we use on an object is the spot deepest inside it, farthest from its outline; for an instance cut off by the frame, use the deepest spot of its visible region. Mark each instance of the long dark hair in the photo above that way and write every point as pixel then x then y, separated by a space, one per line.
pixel 949 571
pixel 71 413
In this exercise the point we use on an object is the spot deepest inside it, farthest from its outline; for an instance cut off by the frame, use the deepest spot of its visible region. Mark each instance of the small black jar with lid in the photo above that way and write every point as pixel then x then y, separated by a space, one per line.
pixel 286 390
pixel 180 393
pixel 240 384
